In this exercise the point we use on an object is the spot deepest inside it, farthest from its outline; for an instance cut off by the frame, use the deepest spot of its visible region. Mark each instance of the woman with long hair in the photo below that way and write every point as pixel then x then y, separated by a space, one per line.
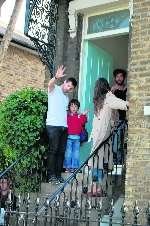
pixel 104 104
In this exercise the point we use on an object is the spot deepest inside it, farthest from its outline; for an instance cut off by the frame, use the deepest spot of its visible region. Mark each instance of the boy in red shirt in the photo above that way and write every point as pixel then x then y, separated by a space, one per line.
pixel 75 122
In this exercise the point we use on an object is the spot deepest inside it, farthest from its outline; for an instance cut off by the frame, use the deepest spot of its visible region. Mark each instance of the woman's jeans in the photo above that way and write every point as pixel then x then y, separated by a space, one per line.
pixel 72 154
pixel 57 136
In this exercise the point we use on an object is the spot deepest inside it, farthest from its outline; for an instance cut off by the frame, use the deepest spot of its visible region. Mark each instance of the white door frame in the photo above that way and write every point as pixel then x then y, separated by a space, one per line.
pixel 86 37
pixel 105 34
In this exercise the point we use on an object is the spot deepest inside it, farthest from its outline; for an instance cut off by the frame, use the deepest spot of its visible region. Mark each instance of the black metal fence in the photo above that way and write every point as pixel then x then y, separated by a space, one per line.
pixel 73 214
pixel 92 195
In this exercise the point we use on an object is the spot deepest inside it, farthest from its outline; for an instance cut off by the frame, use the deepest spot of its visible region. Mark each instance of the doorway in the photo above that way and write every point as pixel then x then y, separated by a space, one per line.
pixel 101 57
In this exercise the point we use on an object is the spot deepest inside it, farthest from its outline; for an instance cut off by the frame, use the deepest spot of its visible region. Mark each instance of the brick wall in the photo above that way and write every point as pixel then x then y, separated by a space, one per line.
pixel 138 158
pixel 20 69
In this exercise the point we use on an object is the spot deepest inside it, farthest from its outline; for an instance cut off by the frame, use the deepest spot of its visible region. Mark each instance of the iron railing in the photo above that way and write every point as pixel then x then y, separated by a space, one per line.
pixel 41 27
pixel 84 198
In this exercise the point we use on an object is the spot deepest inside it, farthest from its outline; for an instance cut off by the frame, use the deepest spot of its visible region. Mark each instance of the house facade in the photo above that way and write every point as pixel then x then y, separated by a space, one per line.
pixel 94 37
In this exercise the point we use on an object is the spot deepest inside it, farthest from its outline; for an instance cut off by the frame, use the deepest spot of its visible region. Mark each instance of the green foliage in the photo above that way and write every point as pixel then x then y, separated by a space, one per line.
pixel 22 127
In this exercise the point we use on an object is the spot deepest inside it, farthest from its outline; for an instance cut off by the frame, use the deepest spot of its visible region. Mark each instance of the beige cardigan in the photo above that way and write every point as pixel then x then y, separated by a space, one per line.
pixel 102 123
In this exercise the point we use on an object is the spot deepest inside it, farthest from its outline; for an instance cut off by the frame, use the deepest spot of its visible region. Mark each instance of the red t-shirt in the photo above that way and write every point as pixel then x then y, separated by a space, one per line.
pixel 75 123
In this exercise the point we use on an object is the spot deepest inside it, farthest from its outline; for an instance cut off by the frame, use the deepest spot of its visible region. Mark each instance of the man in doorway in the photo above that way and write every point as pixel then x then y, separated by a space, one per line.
pixel 56 123
pixel 119 89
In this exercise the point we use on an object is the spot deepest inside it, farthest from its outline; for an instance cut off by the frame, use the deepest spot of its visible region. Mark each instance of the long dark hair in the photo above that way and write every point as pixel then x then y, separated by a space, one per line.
pixel 101 89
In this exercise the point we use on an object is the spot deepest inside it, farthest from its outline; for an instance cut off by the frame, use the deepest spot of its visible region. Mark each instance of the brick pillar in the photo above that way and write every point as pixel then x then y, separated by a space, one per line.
pixel 138 158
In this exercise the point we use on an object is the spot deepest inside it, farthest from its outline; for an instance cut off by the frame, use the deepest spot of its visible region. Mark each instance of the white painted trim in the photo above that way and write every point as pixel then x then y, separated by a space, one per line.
pixel 88 7
pixel 82 53
pixel 81 77
pixel 79 5
pixel 106 34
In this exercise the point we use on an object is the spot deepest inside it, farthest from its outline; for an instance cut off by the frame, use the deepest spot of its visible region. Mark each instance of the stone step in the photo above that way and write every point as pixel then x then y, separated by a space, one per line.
pixel 47 189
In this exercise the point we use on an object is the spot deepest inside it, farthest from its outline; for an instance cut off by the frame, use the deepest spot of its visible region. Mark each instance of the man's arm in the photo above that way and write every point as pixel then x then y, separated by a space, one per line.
pixel 59 74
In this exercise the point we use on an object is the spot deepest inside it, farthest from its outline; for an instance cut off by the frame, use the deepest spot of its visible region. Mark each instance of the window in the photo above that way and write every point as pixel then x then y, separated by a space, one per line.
pixel 109 21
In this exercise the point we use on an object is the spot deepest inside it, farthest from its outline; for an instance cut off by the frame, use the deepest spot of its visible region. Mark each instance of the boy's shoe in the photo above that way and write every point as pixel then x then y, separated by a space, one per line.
pixel 60 179
pixel 52 179
pixel 67 171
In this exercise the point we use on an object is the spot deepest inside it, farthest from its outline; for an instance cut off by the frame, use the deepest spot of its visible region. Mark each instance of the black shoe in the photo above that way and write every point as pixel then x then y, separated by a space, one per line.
pixel 52 179
pixel 60 179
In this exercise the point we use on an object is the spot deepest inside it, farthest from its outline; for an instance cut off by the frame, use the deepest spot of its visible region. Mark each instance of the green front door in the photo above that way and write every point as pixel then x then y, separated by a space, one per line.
pixel 96 63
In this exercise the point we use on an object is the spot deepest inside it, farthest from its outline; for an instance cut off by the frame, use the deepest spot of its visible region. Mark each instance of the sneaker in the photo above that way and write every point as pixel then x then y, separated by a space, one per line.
pixel 67 171
pixel 52 179
pixel 60 179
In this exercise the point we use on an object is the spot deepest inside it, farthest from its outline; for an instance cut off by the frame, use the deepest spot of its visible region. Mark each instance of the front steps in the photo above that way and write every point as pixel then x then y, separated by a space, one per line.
pixel 72 192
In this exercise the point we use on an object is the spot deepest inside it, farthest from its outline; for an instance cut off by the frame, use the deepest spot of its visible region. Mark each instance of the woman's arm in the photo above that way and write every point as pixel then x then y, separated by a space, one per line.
pixel 116 103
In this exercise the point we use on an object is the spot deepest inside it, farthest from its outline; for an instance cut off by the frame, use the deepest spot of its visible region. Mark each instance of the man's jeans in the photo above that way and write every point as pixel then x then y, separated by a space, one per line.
pixel 72 154
pixel 118 142
pixel 57 136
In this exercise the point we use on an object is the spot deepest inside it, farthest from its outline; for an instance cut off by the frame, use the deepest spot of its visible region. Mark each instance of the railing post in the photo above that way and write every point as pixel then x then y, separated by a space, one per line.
pixel 57 205
pixel 123 214
pixel 135 213
pixel 46 211
pixel 87 212
pixel 148 214
pixel 77 212
pixel 35 220
pixel 27 209
pixel 8 204
pixel 99 210
pixel 66 211
pixel 111 212
pixel 18 209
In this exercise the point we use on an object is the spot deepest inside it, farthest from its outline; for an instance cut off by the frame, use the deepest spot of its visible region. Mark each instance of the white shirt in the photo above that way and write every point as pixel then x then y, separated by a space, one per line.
pixel 57 107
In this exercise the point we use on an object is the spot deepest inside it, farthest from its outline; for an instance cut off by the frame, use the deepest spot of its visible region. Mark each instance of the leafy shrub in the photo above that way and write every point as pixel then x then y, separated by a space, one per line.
pixel 22 127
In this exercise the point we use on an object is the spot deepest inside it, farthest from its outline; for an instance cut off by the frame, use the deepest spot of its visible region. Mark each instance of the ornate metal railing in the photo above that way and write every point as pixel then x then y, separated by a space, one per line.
pixel 13 181
pixel 88 196
pixel 40 27
pixel 27 218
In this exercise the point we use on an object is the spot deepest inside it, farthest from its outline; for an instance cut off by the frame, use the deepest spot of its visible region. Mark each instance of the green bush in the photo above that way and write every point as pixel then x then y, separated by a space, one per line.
pixel 22 127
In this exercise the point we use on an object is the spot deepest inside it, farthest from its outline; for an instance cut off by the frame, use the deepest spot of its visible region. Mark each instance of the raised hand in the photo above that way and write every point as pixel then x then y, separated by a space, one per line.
pixel 86 111
pixel 60 72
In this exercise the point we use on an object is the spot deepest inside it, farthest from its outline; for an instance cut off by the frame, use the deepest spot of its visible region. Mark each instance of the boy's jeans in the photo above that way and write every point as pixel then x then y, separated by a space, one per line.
pixel 72 154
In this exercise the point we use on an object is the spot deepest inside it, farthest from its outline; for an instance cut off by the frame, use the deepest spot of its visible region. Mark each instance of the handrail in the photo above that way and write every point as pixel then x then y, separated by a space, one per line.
pixel 14 163
pixel 61 188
